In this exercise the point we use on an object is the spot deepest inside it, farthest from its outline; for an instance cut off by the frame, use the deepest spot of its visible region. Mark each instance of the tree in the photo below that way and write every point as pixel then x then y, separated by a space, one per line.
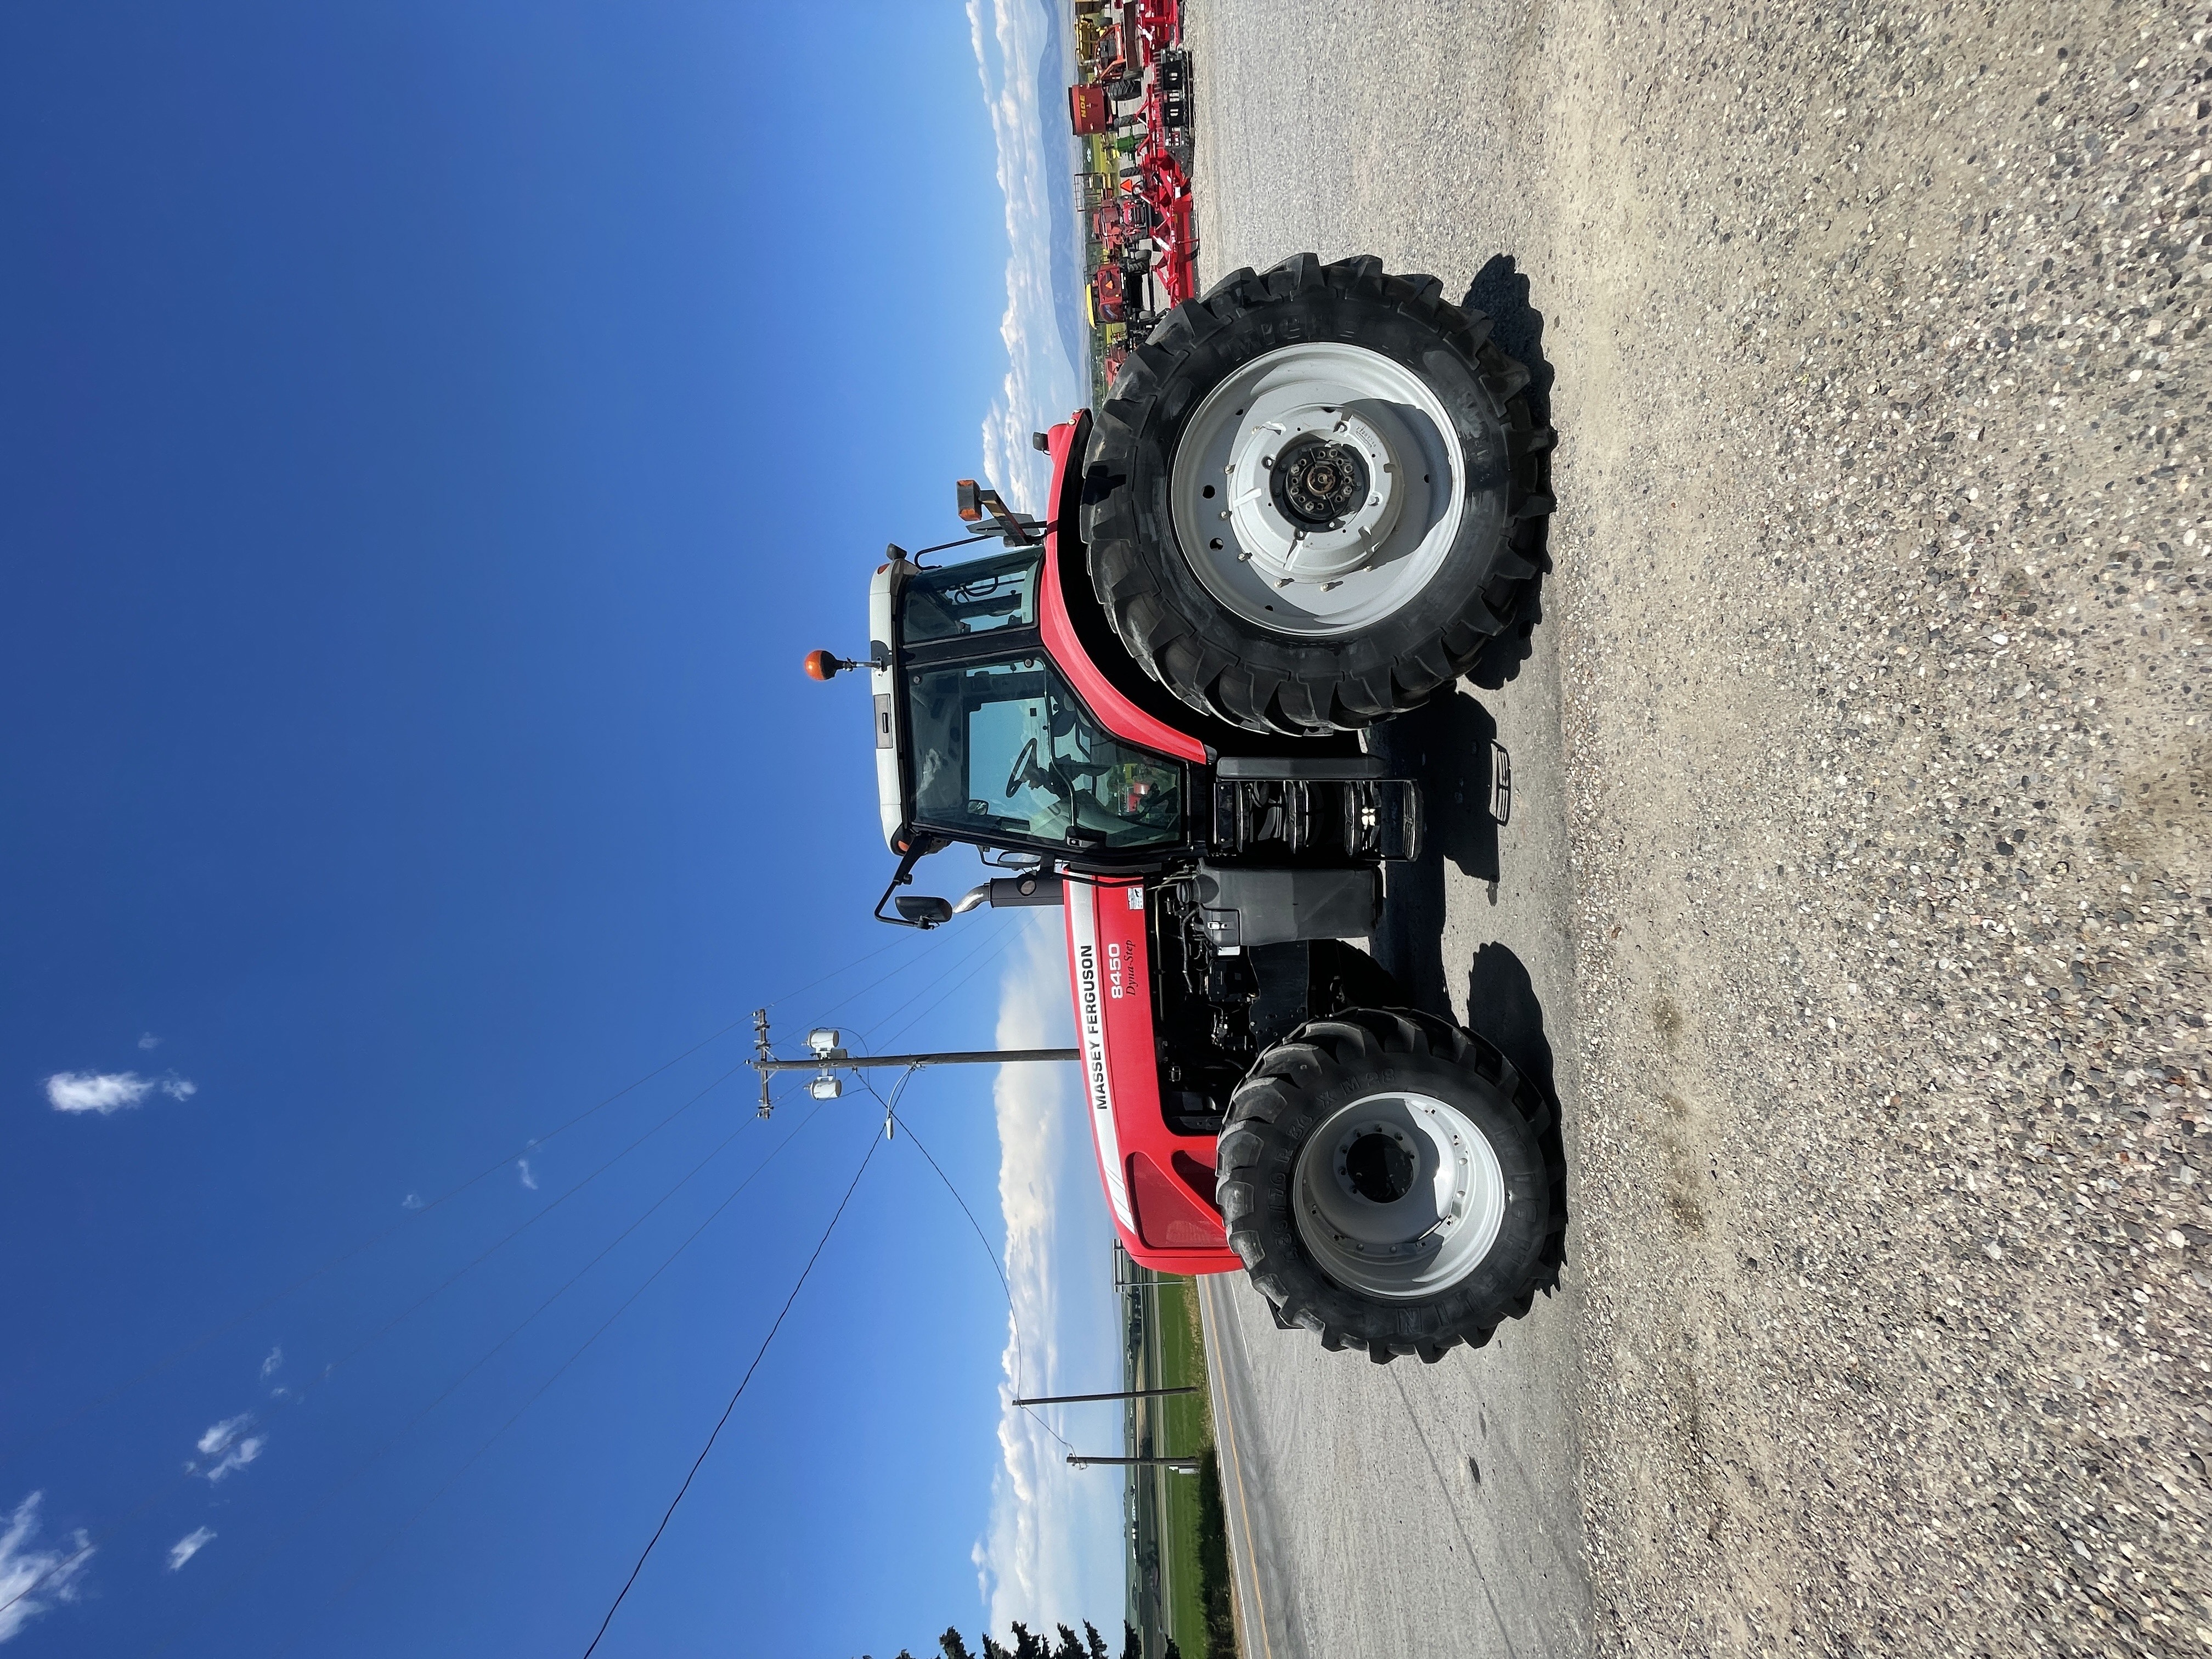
pixel 1028 1645
pixel 1132 1647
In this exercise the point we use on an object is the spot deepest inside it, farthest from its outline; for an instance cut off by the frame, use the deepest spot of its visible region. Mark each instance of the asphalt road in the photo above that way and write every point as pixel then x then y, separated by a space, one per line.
pixel 1859 871
pixel 1377 1511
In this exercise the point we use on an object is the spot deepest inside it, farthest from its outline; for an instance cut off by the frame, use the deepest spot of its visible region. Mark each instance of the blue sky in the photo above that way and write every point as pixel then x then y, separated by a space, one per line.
pixel 429 436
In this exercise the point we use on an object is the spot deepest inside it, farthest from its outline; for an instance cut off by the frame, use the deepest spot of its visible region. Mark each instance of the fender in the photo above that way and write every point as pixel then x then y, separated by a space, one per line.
pixel 1158 1184
pixel 1113 709
pixel 1128 701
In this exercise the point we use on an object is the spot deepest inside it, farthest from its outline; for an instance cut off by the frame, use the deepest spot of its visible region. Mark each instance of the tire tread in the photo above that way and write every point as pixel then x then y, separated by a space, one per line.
pixel 1325 690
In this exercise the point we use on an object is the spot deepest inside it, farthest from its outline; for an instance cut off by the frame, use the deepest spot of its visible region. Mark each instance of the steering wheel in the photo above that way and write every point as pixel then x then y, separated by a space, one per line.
pixel 1025 768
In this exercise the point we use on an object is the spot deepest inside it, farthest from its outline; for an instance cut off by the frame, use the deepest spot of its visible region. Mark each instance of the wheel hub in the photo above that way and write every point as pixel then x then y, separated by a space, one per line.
pixel 1317 481
pixel 1313 493
pixel 1378 1166
pixel 1398 1195
pixel 1317 489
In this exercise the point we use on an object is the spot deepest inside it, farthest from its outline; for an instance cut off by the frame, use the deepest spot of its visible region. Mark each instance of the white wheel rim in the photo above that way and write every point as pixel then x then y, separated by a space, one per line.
pixel 1398 1196
pixel 1271 564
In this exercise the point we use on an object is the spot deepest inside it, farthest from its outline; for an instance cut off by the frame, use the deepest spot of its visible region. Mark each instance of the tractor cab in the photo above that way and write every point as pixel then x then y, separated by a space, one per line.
pixel 979 736
pixel 996 723
pixel 1009 717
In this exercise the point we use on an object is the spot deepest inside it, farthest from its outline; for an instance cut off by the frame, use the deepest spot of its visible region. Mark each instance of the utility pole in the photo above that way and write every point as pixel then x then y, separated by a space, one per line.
pixel 828 1057
pixel 1185 1465
pixel 1118 1394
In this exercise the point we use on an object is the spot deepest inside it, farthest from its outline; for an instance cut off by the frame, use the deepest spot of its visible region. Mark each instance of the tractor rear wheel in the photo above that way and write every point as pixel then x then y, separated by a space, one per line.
pixel 1125 87
pixel 1314 496
pixel 1393 1184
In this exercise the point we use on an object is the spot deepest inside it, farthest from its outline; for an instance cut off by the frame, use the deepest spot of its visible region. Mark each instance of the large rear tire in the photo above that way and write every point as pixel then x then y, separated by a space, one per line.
pixel 1314 496
pixel 1393 1184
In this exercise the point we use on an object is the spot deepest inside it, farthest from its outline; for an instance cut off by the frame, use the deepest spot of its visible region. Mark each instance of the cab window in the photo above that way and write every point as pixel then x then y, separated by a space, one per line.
pixel 1003 751
pixel 974 598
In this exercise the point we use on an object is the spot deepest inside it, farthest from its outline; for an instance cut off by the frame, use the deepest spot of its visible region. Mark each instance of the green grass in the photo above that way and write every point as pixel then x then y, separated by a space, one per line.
pixel 1196 1541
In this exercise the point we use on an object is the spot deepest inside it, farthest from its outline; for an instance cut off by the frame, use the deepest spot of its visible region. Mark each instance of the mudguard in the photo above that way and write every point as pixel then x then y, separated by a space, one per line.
pixel 1158 1184
pixel 1104 699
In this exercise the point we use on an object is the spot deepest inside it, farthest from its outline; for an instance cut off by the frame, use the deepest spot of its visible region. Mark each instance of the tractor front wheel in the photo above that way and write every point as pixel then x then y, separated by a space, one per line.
pixel 1393 1184
pixel 1314 496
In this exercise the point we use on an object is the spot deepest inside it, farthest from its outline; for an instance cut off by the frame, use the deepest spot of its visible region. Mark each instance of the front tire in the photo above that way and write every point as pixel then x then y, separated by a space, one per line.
pixel 1393 1184
pixel 1403 529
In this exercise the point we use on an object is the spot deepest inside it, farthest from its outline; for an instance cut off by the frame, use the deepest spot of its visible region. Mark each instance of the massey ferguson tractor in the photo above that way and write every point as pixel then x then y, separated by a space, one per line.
pixel 1311 499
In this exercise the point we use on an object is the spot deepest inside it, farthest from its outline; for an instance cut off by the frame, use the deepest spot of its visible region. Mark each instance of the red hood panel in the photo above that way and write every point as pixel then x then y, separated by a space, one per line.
pixel 1168 1223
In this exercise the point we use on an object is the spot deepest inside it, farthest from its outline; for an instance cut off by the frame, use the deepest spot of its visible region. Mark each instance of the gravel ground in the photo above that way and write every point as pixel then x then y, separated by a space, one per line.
pixel 1878 339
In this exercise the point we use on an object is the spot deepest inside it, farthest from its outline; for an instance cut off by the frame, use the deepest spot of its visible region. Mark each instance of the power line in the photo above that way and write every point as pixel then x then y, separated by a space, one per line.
pixel 975 948
pixel 933 947
pixel 211 1333
pixel 623 1593
pixel 259 1417
pixel 207 1336
pixel 843 967
pixel 998 949
pixel 1013 1315
pixel 559 1372
pixel 339 1261
pixel 246 1574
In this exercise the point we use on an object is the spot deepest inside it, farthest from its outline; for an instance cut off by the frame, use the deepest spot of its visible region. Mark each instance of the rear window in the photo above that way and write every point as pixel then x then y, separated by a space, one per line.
pixel 976 598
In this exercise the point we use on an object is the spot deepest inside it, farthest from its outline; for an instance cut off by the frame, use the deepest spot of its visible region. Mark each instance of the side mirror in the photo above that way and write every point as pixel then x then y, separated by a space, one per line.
pixel 924 911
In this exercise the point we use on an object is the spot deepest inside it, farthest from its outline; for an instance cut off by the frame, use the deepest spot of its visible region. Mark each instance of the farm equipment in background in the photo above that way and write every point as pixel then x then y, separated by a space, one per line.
pixel 1134 106
pixel 1089 111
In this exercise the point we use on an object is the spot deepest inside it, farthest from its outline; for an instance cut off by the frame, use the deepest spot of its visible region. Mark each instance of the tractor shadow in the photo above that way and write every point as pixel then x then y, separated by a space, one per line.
pixel 1501 1005
pixel 1445 747
pixel 1500 290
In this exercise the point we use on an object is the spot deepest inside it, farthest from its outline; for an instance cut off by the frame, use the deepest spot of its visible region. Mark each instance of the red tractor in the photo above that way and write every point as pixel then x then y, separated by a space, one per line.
pixel 1118 293
pixel 1123 225
pixel 1312 500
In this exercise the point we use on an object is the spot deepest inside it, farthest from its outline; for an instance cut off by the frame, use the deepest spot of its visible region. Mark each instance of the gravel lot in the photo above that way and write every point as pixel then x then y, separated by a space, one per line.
pixel 1878 339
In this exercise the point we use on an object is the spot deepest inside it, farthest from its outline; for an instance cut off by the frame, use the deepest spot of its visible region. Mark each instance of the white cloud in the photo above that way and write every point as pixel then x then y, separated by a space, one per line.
pixel 189 1546
pixel 33 1580
pixel 269 1366
pixel 522 1168
pixel 222 1434
pixel 412 1201
pixel 149 1041
pixel 1053 1550
pixel 96 1091
pixel 235 1448
pixel 238 1456
pixel 110 1091
pixel 1036 160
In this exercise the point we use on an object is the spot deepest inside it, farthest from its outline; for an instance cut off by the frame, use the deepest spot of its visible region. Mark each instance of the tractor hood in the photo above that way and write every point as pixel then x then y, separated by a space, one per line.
pixel 882 597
